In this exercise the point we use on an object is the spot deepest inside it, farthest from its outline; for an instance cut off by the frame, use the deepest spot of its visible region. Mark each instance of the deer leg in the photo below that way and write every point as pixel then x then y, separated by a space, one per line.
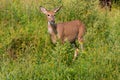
pixel 81 46
pixel 110 5
pixel 61 38
pixel 53 38
pixel 76 50
pixel 75 54
pixel 81 43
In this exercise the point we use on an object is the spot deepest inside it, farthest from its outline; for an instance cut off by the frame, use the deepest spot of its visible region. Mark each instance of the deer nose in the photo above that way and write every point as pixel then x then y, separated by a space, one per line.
pixel 52 22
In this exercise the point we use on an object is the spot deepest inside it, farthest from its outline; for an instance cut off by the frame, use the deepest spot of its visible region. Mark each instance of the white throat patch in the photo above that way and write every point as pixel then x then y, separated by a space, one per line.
pixel 48 23
pixel 49 28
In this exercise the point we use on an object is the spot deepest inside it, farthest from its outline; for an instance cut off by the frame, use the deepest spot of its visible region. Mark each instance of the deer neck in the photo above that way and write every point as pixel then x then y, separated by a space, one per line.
pixel 52 28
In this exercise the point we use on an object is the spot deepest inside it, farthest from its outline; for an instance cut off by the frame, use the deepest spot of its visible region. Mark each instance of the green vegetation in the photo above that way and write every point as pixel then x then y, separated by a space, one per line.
pixel 23 34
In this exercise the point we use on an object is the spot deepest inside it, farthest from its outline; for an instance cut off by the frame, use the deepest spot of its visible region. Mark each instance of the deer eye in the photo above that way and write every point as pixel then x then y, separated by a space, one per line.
pixel 48 15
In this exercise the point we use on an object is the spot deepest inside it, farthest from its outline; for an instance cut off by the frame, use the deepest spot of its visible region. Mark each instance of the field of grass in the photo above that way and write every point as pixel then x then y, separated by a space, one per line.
pixel 24 36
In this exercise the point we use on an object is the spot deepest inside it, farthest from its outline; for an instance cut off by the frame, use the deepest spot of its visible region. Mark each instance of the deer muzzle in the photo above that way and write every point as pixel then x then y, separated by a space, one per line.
pixel 52 22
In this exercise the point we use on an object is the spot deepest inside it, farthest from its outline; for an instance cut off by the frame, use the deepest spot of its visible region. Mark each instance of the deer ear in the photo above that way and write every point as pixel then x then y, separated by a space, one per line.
pixel 43 9
pixel 57 9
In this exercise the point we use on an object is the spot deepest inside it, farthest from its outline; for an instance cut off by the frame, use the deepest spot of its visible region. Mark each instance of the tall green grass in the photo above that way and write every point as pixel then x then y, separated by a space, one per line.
pixel 23 34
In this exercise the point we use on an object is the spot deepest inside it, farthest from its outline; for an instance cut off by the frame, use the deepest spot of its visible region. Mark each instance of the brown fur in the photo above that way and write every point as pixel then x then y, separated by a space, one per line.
pixel 66 31
pixel 71 31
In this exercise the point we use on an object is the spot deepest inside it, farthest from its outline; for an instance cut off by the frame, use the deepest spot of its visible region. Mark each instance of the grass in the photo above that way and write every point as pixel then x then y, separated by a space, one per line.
pixel 23 33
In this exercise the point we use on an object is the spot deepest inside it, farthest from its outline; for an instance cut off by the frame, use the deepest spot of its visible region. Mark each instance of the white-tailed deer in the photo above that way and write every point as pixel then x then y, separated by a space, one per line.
pixel 66 31
pixel 106 3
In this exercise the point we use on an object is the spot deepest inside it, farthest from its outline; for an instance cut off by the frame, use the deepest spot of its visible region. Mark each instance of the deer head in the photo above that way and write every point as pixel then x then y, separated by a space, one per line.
pixel 50 14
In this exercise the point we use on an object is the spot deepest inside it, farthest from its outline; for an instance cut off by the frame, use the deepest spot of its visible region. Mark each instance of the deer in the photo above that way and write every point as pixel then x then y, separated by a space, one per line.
pixel 106 3
pixel 66 31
